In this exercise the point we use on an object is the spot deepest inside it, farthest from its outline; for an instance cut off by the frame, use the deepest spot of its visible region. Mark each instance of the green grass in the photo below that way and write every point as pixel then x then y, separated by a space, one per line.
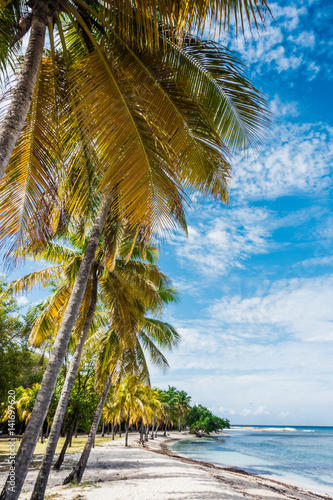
pixel 77 445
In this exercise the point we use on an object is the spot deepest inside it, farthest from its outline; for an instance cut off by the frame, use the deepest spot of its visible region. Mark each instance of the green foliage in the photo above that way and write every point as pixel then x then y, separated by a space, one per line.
pixel 19 364
pixel 201 420
pixel 82 402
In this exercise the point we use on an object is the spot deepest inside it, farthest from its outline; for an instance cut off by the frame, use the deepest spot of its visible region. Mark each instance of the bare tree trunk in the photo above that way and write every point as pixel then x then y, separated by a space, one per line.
pixel 41 406
pixel 103 430
pixel 179 428
pixel 157 426
pixel 165 428
pixel 44 471
pixel 113 429
pixel 13 123
pixel 68 439
pixel 152 428
pixel 77 472
pixel 47 431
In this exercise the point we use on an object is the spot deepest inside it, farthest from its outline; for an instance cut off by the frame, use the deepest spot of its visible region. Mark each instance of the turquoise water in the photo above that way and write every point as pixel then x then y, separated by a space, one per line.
pixel 303 457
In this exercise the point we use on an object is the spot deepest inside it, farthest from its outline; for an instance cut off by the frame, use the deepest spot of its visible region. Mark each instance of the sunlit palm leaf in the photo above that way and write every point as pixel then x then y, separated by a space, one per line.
pixel 29 189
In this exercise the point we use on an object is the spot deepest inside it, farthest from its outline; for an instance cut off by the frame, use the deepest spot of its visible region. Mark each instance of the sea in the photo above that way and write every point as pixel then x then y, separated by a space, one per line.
pixel 301 456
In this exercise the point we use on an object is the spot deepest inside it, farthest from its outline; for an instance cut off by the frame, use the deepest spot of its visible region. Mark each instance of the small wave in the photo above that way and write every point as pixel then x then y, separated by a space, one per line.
pixel 307 431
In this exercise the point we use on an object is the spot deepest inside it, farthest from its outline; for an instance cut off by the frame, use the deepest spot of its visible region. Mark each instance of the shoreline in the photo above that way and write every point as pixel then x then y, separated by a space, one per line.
pixel 155 472
pixel 166 449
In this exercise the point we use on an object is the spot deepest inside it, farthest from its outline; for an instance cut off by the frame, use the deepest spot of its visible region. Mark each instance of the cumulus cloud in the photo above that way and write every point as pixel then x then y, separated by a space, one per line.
pixel 300 307
pixel 224 239
pixel 288 42
pixel 297 158
pixel 22 300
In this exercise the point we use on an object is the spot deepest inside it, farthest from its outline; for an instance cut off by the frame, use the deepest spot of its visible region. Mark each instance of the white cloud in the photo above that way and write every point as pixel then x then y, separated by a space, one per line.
pixel 246 359
pixel 300 307
pixel 284 414
pixel 283 109
pixel 22 300
pixel 287 42
pixel 296 159
pixel 261 410
pixel 224 239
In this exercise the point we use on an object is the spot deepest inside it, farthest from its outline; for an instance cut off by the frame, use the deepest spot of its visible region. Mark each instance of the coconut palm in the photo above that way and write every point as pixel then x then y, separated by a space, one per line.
pixel 144 23
pixel 183 405
pixel 130 400
pixel 132 278
pixel 173 136
pixel 122 352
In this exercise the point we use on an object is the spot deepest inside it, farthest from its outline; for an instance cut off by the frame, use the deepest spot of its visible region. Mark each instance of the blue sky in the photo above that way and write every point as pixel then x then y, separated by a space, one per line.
pixel 256 278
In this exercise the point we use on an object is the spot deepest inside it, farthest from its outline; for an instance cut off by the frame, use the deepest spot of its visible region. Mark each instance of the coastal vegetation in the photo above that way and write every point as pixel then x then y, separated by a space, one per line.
pixel 109 124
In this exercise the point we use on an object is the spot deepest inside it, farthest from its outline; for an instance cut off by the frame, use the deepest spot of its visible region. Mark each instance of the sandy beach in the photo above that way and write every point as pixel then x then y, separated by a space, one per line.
pixel 155 472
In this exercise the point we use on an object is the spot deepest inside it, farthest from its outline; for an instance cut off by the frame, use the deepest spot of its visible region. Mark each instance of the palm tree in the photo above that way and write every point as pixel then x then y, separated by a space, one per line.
pixel 133 278
pixel 169 405
pixel 183 405
pixel 130 400
pixel 90 20
pixel 121 353
pixel 170 139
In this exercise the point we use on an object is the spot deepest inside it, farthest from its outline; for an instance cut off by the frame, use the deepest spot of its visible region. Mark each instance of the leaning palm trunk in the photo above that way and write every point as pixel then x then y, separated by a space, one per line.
pixel 44 471
pixel 77 472
pixel 67 442
pixel 30 437
pixel 13 123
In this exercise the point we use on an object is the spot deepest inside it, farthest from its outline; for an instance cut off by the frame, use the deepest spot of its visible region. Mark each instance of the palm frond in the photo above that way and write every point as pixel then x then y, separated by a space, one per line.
pixel 164 334
pixel 29 189
pixel 41 278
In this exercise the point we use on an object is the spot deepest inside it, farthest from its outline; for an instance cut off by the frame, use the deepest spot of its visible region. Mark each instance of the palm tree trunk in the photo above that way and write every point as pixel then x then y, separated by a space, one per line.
pixel 41 406
pixel 179 428
pixel 77 472
pixel 157 426
pixel 127 429
pixel 13 123
pixel 103 429
pixel 113 429
pixel 68 439
pixel 44 471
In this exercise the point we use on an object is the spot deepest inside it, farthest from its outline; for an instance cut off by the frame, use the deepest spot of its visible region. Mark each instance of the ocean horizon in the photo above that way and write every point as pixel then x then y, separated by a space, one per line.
pixel 296 455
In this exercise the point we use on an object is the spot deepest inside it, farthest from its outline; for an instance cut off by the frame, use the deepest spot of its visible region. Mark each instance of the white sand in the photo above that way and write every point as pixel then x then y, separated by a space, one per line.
pixel 137 473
